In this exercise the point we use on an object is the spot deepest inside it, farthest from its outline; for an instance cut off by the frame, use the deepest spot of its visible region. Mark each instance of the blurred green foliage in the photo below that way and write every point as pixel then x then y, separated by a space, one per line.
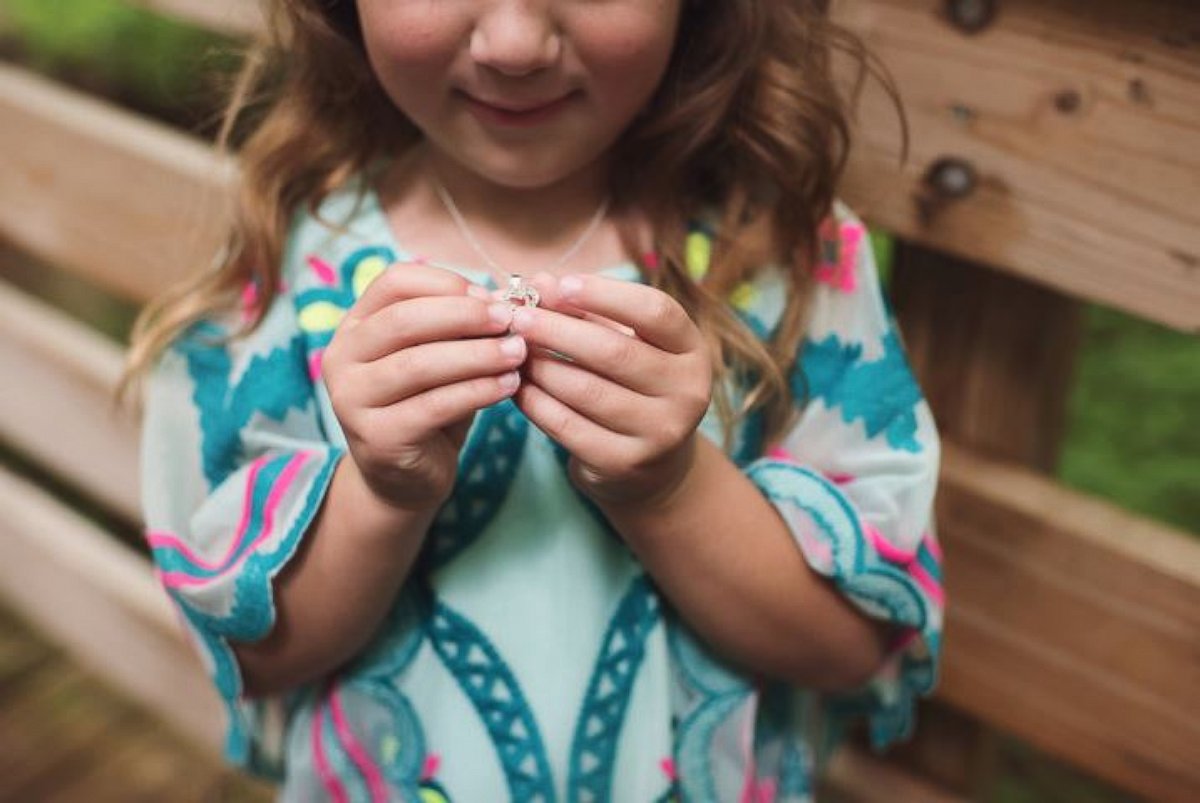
pixel 116 48
pixel 1130 435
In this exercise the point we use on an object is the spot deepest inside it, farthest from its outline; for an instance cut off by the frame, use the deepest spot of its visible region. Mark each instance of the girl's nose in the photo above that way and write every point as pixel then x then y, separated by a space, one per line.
pixel 516 37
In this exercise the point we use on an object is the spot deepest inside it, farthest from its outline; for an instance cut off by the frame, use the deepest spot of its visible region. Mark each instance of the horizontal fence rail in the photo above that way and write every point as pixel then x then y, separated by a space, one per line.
pixel 1080 125
pixel 1073 624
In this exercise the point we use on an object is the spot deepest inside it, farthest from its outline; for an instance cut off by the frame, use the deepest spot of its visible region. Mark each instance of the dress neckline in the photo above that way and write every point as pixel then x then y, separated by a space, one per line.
pixel 373 207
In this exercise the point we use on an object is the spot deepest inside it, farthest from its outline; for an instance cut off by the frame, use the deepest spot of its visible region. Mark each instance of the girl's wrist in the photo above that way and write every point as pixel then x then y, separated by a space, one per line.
pixel 644 497
pixel 376 513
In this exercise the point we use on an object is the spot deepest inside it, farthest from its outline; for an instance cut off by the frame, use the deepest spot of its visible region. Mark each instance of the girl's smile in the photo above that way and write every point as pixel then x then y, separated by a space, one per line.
pixel 518 114
pixel 520 93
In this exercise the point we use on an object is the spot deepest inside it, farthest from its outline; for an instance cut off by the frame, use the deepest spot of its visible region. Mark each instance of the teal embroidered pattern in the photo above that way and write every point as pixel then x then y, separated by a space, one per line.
pixel 594 747
pixel 493 690
pixel 487 467
pixel 272 385
pixel 881 393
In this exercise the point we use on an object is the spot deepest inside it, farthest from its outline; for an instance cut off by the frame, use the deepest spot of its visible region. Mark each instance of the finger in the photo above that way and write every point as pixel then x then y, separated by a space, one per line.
pixel 610 405
pixel 551 298
pixel 656 317
pixel 404 280
pixel 408 372
pixel 585 439
pixel 425 320
pixel 623 359
pixel 444 406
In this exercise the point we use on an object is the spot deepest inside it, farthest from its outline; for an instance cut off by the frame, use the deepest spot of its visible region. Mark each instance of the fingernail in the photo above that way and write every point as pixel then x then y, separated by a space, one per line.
pixel 522 319
pixel 500 313
pixel 513 347
pixel 570 285
pixel 509 381
pixel 475 291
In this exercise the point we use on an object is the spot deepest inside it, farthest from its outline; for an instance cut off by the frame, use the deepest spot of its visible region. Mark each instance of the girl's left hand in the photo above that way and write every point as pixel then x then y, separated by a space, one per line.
pixel 621 377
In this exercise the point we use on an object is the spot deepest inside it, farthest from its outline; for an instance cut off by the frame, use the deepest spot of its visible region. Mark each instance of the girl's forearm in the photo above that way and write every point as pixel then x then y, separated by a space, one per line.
pixel 337 588
pixel 727 562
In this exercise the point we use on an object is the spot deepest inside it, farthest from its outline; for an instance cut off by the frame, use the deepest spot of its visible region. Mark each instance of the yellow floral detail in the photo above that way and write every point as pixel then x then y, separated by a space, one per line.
pixel 366 272
pixel 389 748
pixel 433 796
pixel 698 253
pixel 744 296
pixel 321 316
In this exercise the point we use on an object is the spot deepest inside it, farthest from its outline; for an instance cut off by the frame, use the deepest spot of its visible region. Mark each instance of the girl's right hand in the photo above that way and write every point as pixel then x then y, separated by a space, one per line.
pixel 416 356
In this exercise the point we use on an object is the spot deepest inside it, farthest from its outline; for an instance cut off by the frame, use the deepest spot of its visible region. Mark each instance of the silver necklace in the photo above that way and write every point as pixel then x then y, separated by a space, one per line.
pixel 518 292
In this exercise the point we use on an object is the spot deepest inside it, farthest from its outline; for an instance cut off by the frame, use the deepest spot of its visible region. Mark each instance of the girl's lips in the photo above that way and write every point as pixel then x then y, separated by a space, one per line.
pixel 517 118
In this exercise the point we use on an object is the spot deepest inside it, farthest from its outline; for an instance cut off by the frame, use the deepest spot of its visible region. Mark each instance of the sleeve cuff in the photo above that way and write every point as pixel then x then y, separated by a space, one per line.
pixel 221 576
pixel 886 582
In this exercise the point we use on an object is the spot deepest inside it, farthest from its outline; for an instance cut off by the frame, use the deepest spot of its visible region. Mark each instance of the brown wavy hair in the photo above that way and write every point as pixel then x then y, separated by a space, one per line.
pixel 748 120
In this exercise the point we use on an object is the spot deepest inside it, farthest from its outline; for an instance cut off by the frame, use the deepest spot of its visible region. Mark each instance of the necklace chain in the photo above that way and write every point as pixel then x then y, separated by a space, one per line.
pixel 477 247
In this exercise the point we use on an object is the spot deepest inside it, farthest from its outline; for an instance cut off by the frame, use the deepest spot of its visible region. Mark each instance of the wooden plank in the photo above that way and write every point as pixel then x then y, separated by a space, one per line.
pixel 61 412
pixel 978 342
pixel 62 726
pixel 1081 119
pixel 854 776
pixel 1073 624
pixel 65 737
pixel 81 588
pixel 130 204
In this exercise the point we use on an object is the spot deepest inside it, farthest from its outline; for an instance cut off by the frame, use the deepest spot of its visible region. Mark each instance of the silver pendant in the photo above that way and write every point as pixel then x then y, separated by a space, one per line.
pixel 521 294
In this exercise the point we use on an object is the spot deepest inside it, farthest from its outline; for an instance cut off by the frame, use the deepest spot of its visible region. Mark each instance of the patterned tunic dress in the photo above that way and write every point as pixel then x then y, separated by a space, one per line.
pixel 529 656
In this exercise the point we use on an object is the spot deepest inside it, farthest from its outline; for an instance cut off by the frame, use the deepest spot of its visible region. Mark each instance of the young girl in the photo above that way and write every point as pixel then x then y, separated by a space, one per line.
pixel 560 447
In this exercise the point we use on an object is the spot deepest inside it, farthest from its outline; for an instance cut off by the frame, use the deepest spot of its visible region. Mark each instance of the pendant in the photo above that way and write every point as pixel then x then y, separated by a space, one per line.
pixel 521 294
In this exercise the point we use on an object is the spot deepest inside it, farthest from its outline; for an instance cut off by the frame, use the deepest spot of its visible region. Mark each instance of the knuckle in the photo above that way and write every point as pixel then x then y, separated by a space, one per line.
pixel 661 310
pixel 440 405
pixel 399 321
pixel 620 350
pixel 593 390
pixel 561 425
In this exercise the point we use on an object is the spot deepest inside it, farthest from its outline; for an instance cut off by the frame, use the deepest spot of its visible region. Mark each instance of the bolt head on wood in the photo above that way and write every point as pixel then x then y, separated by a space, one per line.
pixel 971 16
pixel 951 177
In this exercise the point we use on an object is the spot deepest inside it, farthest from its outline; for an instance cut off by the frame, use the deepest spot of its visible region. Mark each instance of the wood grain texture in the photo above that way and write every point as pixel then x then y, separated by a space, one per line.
pixel 995 355
pixel 1081 119
pixel 66 737
pixel 1072 624
pixel 84 590
pixel 127 203
pixel 61 413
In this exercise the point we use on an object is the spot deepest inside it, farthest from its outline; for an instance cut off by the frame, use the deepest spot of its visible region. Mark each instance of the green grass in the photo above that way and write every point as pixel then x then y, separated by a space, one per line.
pixel 1132 434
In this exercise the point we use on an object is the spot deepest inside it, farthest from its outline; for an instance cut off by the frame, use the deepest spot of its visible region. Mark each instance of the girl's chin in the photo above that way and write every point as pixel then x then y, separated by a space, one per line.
pixel 527 174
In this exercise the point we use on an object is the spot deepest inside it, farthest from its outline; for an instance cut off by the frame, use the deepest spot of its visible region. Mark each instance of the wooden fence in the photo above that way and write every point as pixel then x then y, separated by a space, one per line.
pixel 1055 141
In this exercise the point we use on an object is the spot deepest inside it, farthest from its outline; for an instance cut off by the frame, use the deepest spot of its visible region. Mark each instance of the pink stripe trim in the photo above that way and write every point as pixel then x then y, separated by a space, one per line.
pixel 332 785
pixel 433 763
pixel 314 365
pixel 358 755
pixel 325 273
pixel 933 546
pixel 890 552
pixel 227 564
pixel 926 581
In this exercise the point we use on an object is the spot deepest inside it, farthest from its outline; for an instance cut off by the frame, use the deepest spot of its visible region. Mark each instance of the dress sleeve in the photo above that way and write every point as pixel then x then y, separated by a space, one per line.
pixel 854 480
pixel 235 466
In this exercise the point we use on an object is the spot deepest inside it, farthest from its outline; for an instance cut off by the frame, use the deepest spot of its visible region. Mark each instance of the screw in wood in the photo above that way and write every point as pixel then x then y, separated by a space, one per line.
pixel 971 16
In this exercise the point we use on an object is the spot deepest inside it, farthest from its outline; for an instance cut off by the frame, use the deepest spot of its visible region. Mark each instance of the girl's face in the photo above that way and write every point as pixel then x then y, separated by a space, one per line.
pixel 523 93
